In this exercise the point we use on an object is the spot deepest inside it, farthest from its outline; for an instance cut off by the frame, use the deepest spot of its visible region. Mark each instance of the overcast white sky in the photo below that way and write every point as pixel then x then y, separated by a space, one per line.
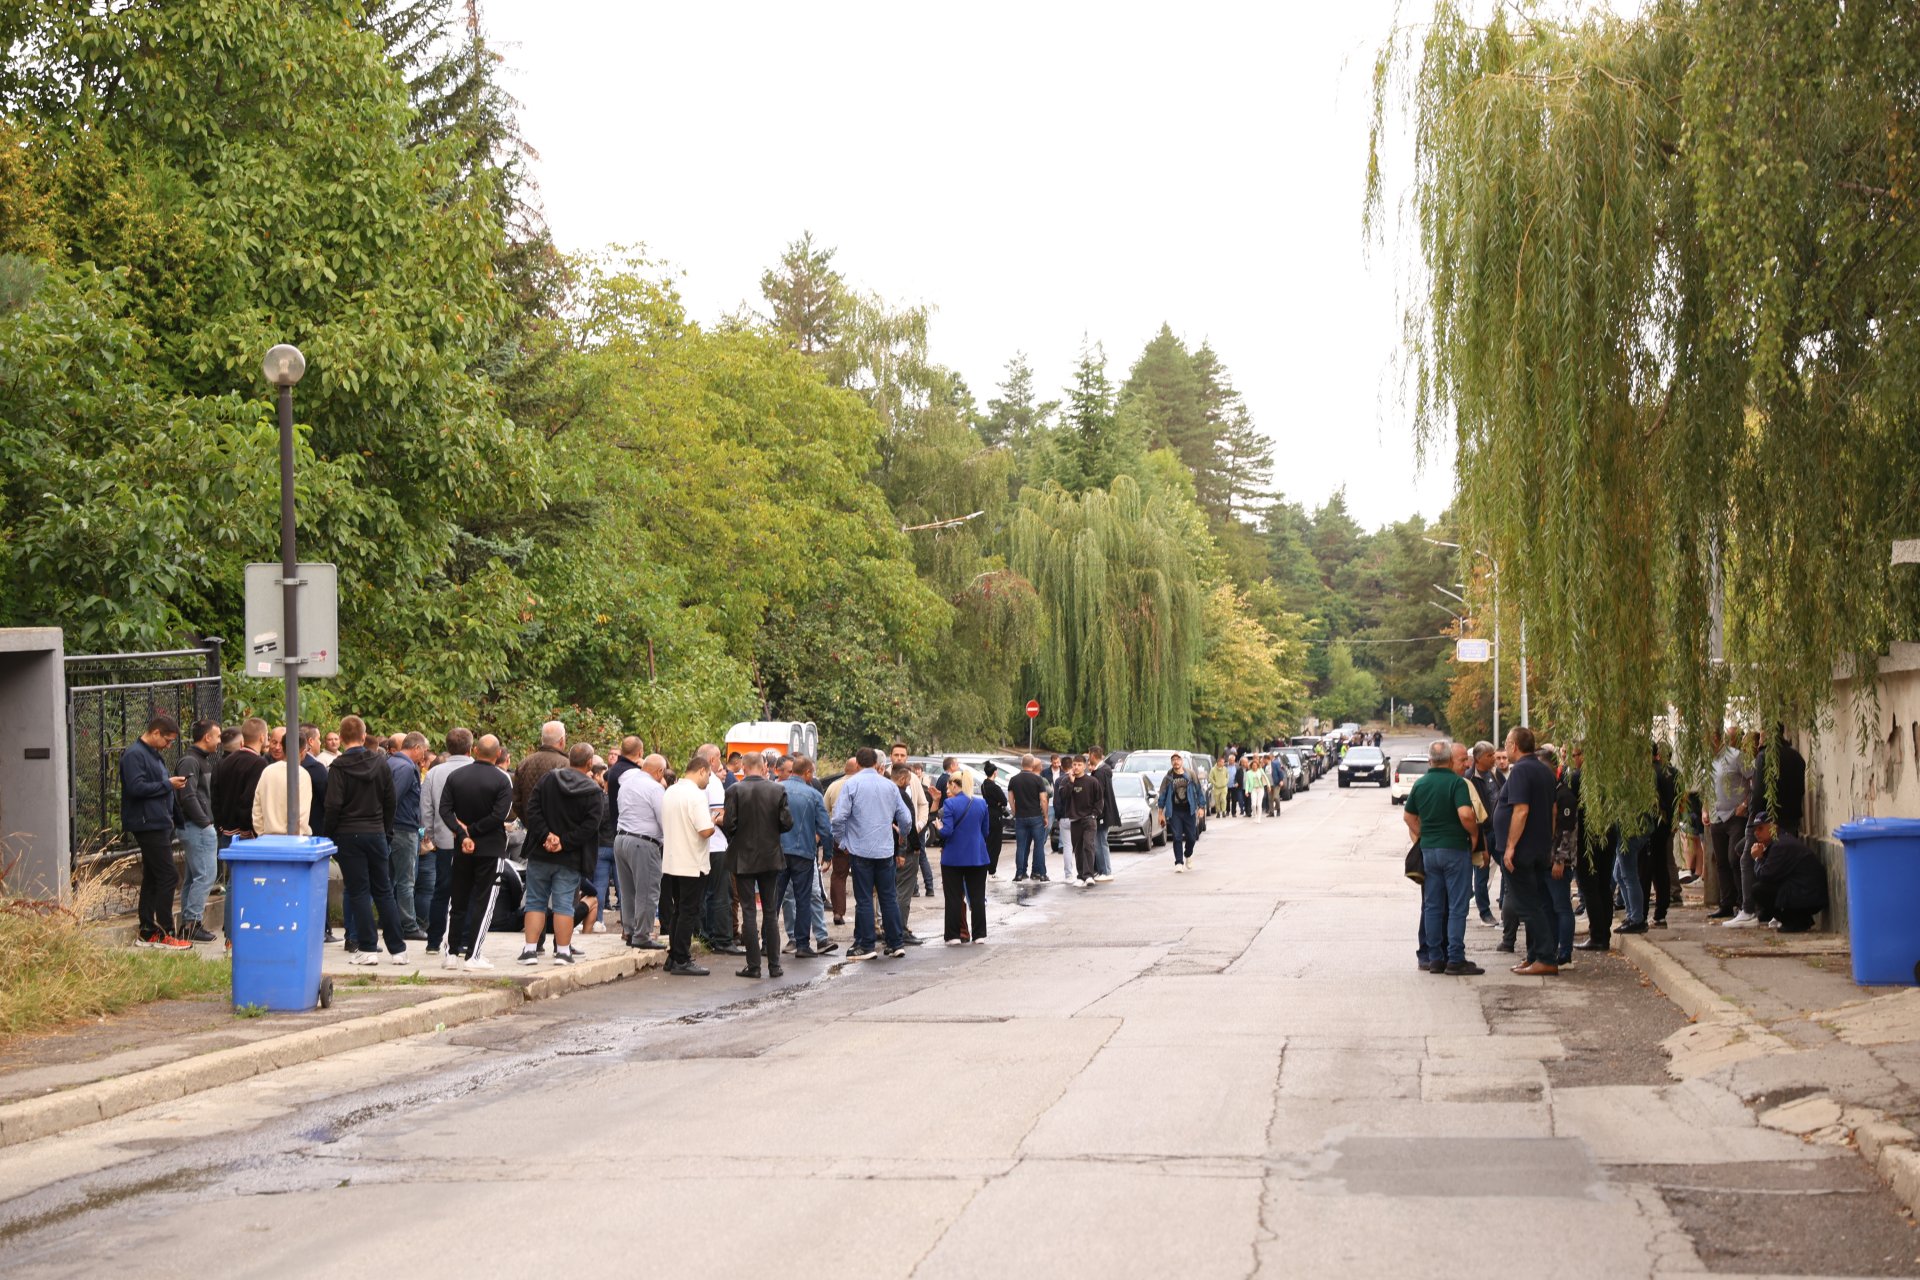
pixel 1034 171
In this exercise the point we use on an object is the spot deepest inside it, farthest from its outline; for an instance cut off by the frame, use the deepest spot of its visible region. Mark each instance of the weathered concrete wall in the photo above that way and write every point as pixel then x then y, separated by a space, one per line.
pixel 1883 780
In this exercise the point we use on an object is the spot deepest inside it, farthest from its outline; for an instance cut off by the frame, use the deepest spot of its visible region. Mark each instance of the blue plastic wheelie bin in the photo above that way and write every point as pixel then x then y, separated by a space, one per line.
pixel 277 918
pixel 1883 899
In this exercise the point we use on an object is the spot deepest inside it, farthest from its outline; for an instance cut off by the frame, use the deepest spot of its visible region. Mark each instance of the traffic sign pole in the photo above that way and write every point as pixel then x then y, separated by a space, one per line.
pixel 1033 713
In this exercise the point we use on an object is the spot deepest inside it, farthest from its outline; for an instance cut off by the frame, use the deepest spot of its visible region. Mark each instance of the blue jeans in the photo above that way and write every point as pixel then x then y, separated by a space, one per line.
pixel 403 860
pixel 1482 881
pixel 202 847
pixel 1422 956
pixel 1029 833
pixel 797 896
pixel 926 871
pixel 1449 889
pixel 871 876
pixel 1626 872
pixel 1180 833
pixel 1560 893
pixel 433 891
pixel 551 887
pixel 602 877
pixel 1103 856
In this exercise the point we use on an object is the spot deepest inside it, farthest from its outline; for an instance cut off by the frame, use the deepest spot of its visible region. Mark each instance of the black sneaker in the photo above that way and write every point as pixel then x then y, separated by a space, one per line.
pixel 529 955
pixel 1634 928
pixel 1506 947
pixel 432 950
pixel 1659 924
pixel 1463 969
pixel 860 953
pixel 196 932
pixel 896 953
pixel 688 970
pixel 1722 914
pixel 826 948
pixel 415 934
pixel 1438 966
pixel 563 955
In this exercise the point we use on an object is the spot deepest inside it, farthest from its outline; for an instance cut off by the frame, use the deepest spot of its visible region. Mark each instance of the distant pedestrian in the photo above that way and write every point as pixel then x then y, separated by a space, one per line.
pixel 1102 773
pixel 403 762
pixel 147 791
pixel 687 823
pixel 433 886
pixel 639 844
pixel 1256 781
pixel 842 861
pixel 805 845
pixel 1732 795
pixel 359 815
pixel 755 815
pixel 1030 794
pixel 963 863
pixel 1523 827
pixel 1439 814
pixel 1180 806
pixel 1219 780
pixel 562 820
pixel 1083 802
pixel 865 816
pixel 474 804
pixel 199 838
pixel 996 797
pixel 331 752
pixel 551 754
pixel 910 848
pixel 607 874
pixel 270 817
pixel 1790 885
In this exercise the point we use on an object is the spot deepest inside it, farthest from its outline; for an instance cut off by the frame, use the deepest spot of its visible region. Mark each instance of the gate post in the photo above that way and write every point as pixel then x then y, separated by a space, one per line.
pixel 36 858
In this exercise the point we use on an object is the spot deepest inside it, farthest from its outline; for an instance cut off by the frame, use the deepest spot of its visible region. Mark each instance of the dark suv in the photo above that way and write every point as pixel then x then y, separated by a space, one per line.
pixel 1365 764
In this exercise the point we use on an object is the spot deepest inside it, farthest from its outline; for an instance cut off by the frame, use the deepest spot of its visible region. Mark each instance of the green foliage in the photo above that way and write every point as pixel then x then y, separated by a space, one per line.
pixel 1352 693
pixel 1667 327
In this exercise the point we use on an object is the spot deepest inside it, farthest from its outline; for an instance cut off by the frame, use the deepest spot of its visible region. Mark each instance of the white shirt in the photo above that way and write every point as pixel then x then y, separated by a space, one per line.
pixel 716 799
pixel 270 801
pixel 684 815
pixel 327 757
pixel 640 802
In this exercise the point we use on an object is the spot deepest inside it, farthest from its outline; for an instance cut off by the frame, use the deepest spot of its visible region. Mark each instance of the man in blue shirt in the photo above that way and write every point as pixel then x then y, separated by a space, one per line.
pixel 865 817
pixel 805 843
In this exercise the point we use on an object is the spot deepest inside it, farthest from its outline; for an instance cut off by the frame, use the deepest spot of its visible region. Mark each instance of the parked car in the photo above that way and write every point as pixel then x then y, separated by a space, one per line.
pixel 1134 793
pixel 1405 774
pixel 1316 765
pixel 1364 764
pixel 1298 766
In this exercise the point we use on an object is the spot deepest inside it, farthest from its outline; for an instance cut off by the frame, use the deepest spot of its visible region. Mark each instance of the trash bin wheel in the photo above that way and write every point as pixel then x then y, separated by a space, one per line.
pixel 326 993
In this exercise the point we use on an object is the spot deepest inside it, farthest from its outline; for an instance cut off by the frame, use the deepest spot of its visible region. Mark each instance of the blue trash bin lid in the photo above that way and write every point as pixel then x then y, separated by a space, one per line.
pixel 279 849
pixel 1879 829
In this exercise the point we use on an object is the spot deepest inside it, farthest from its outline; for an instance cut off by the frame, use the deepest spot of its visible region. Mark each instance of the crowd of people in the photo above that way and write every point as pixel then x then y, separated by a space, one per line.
pixel 734 850
pixel 1519 810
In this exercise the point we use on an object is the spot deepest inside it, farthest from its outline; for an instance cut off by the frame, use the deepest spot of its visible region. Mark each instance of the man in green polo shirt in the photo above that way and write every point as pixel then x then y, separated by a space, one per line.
pixel 1440 816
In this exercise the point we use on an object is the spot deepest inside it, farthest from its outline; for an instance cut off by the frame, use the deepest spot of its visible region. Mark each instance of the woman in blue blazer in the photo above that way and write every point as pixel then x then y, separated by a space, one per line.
pixel 963 862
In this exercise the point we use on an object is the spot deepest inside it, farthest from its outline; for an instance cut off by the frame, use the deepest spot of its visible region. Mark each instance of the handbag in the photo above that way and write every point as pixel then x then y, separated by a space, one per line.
pixel 1416 864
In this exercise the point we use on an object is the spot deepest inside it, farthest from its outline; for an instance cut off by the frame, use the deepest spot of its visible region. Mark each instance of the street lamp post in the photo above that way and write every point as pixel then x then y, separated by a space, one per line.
pixel 284 367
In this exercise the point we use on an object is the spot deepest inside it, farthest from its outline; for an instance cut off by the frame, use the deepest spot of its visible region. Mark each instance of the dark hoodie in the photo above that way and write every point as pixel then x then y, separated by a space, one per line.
pixel 566 803
pixel 359 795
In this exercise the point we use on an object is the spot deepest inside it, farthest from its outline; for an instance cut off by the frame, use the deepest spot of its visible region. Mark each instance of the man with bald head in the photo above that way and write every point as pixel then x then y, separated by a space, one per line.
pixel 474 804
pixel 638 843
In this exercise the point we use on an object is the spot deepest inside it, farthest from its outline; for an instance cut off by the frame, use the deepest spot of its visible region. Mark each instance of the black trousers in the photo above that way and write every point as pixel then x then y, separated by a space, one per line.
pixel 1766 898
pixel 679 912
pixel 1593 872
pixel 768 935
pixel 964 885
pixel 1529 903
pixel 718 929
pixel 472 886
pixel 158 880
pixel 1725 843
pixel 996 837
pixel 1085 832
pixel 1656 873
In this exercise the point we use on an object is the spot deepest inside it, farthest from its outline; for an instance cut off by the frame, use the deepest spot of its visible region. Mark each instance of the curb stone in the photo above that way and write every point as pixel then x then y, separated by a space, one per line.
pixel 86 1104
pixel 1722 1029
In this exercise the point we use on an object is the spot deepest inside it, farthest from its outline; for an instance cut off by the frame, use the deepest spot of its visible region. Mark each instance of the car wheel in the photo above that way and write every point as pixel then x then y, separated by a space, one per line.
pixel 1344 783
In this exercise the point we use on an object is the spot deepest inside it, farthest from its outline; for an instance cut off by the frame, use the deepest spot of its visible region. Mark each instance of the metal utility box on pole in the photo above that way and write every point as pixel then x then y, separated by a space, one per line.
pixel 35 813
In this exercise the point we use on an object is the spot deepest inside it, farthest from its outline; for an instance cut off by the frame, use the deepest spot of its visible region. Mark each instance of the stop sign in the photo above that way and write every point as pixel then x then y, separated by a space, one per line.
pixel 1033 710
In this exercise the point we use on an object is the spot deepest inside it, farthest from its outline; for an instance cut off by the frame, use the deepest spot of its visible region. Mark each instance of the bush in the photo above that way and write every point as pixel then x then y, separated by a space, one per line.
pixel 52 970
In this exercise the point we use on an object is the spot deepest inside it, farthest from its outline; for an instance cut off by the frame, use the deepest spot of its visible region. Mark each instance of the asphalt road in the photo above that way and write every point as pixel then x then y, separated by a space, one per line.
pixel 1232 1072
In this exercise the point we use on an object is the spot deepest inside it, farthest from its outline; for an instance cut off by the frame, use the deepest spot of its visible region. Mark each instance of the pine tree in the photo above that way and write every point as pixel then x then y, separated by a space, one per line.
pixel 806 298
pixel 1013 417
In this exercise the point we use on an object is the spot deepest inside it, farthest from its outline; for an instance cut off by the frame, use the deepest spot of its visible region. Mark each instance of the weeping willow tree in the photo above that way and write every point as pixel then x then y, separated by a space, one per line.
pixel 1667 319
pixel 1121 596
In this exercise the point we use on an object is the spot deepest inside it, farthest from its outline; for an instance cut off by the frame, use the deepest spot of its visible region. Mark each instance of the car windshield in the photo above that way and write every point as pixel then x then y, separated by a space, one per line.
pixel 1146 762
pixel 1363 755
pixel 1291 757
pixel 1407 768
pixel 1129 786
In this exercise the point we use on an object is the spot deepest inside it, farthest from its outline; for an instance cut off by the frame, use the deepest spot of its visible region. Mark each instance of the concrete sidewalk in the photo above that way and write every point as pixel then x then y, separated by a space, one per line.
pixel 1778 1020
pixel 154 1053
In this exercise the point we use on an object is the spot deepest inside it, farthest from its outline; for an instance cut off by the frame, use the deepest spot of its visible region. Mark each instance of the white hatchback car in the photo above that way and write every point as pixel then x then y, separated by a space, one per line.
pixel 1405 774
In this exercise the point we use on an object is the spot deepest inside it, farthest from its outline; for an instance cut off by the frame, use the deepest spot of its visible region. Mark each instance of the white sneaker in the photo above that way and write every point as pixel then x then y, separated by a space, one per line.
pixel 479 962
pixel 599 926
pixel 400 957
pixel 452 961
pixel 363 957
pixel 1745 920
pixel 954 942
pixel 1102 879
pixel 1180 868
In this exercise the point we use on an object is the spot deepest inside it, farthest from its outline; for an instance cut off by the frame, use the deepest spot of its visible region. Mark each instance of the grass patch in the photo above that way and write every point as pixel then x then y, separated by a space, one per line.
pixel 249 1010
pixel 411 980
pixel 53 971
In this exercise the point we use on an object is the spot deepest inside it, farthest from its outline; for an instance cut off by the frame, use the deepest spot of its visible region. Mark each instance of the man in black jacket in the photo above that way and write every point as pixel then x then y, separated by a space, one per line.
pixel 147 789
pixel 359 813
pixel 996 797
pixel 755 814
pixel 199 841
pixel 1109 815
pixel 474 805
pixel 1082 802
pixel 1790 881
pixel 235 779
pixel 562 818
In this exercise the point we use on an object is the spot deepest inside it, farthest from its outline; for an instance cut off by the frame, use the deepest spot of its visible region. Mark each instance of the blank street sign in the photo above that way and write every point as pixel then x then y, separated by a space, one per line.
pixel 319 621
pixel 1472 650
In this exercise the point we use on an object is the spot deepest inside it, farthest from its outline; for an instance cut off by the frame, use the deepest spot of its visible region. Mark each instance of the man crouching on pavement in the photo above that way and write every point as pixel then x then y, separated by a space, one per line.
pixel 563 844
